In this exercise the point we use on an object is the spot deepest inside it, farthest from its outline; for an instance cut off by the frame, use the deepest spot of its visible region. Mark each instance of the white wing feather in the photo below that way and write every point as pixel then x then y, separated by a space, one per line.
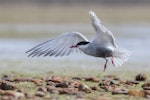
pixel 103 35
pixel 59 46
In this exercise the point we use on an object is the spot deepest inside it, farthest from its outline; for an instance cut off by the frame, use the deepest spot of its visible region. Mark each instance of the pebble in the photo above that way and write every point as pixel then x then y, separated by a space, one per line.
pixel 62 85
pixel 120 91
pixel 43 89
pixel 85 88
pixel 40 94
pixel 141 77
pixel 6 85
pixel 92 79
pixel 146 84
pixel 136 93
pixel 75 83
pixel 69 91
pixel 56 79
pixel 16 95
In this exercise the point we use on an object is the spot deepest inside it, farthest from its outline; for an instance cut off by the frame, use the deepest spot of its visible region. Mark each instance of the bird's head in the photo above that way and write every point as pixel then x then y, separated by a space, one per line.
pixel 80 44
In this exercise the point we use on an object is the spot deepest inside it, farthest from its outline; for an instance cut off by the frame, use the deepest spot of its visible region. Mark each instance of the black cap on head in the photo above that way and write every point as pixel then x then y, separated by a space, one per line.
pixel 82 43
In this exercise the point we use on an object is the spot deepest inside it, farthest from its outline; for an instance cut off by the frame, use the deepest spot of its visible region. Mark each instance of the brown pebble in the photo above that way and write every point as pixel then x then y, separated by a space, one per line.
pixel 120 91
pixel 147 92
pixel 146 88
pixel 69 91
pixel 136 93
pixel 43 89
pixel 147 96
pixel 77 78
pixel 21 79
pixel 130 82
pixel 56 79
pixel 52 89
pixel 16 95
pixel 85 88
pixel 141 77
pixel 37 82
pixel 20 90
pixel 50 83
pixel 147 84
pixel 62 85
pixel 40 94
pixel 5 85
pixel 94 88
pixel 29 96
pixel 75 83
pixel 92 79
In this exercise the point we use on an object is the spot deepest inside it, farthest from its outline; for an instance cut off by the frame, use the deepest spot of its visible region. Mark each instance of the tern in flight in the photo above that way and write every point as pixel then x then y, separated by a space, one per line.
pixel 103 45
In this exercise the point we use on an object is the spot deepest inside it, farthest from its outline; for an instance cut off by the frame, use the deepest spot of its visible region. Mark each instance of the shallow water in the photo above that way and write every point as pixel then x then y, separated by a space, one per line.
pixel 130 37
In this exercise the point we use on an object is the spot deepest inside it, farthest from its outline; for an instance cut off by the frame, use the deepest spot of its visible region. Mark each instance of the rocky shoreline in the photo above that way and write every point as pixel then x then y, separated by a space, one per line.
pixel 52 87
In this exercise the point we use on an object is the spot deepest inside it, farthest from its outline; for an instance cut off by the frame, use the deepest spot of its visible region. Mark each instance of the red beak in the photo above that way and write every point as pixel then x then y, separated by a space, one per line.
pixel 74 46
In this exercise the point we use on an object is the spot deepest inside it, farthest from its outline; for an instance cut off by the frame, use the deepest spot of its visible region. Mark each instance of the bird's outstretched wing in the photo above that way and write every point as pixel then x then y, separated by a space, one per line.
pixel 103 35
pixel 59 46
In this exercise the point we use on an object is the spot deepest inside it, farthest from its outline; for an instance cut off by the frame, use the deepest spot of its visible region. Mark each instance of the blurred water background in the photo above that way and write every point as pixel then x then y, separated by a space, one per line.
pixel 24 24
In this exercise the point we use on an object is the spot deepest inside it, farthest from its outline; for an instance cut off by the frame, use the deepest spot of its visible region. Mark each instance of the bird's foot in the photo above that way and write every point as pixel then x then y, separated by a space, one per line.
pixel 112 60
pixel 105 66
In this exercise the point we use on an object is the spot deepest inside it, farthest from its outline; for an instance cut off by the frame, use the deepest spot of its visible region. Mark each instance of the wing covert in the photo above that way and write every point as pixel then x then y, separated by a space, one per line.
pixel 59 46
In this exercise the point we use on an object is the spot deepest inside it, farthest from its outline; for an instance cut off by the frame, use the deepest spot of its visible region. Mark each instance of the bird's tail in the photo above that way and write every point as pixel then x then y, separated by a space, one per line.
pixel 120 56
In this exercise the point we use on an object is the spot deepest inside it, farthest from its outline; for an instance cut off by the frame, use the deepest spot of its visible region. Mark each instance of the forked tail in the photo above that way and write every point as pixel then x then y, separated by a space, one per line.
pixel 120 56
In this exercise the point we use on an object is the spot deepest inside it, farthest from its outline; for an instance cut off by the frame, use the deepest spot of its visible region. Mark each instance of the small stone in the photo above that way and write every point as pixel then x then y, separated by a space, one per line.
pixel 40 94
pixel 147 84
pixel 50 83
pixel 43 89
pixel 5 85
pixel 52 89
pixel 77 78
pixel 85 88
pixel 20 90
pixel 130 82
pixel 37 82
pixel 29 96
pixel 16 95
pixel 94 88
pixel 107 88
pixel 62 85
pixel 136 93
pixel 120 91
pixel 141 77
pixel 146 88
pixel 147 92
pixel 56 79
pixel 69 91
pixel 147 96
pixel 92 79
pixel 75 83
pixel 22 79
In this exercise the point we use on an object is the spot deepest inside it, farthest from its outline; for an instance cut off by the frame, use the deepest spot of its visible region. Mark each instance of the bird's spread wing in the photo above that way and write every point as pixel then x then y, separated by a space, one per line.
pixel 59 46
pixel 103 35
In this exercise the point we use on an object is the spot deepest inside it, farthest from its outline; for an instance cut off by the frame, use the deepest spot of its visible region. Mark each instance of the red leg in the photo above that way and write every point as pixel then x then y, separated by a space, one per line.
pixel 105 66
pixel 112 60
